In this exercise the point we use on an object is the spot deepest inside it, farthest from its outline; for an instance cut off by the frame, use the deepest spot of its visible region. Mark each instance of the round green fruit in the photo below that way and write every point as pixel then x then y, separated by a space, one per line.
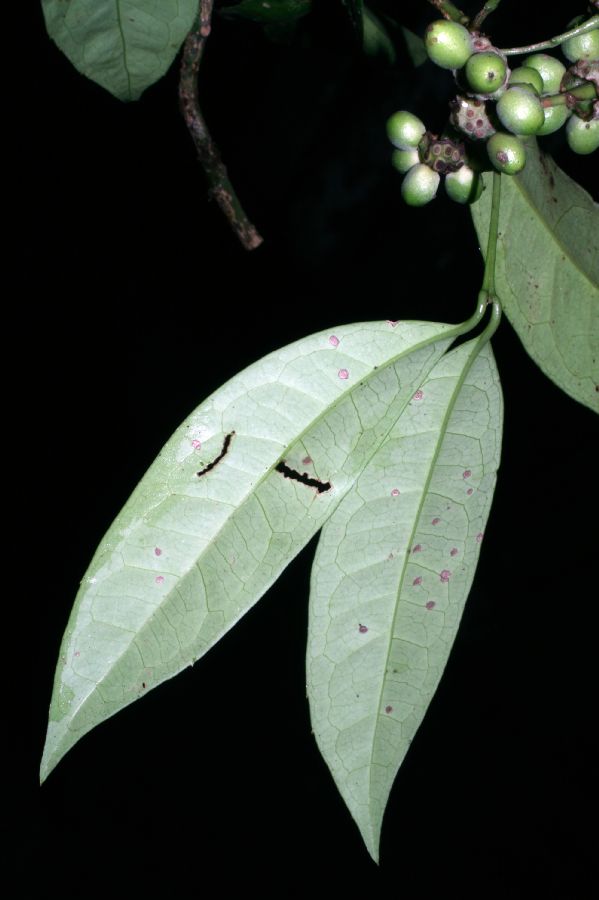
pixel 520 111
pixel 486 72
pixel 420 185
pixel 405 130
pixel 404 160
pixel 549 68
pixel 555 116
pixel 526 76
pixel 448 44
pixel 583 46
pixel 582 137
pixel 506 152
pixel 464 186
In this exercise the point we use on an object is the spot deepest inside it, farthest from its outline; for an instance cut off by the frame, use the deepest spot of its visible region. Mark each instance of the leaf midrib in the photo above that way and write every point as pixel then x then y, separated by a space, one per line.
pixel 476 349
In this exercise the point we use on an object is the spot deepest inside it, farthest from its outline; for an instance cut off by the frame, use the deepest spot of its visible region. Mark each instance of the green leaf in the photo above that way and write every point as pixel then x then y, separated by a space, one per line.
pixel 392 572
pixel 190 553
pixel 269 12
pixel 547 271
pixel 415 47
pixel 122 45
pixel 376 39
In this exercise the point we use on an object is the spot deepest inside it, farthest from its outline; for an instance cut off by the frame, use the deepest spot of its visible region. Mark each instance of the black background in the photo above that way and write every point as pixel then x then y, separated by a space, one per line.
pixel 137 304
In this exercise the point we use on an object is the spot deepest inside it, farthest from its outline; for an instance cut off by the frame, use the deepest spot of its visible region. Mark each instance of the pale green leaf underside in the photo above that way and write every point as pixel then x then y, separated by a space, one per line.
pixel 547 271
pixel 123 45
pixel 391 576
pixel 189 555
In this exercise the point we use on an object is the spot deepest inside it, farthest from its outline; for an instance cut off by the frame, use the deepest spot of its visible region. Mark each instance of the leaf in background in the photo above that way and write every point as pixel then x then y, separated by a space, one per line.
pixel 273 12
pixel 547 271
pixel 122 45
pixel 376 39
pixel 415 47
pixel 190 553
pixel 355 8
pixel 392 572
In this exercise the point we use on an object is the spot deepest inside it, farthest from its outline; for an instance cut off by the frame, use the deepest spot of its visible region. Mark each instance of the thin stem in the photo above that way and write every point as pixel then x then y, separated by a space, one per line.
pixel 480 17
pixel 489 277
pixel 584 91
pixel 587 26
pixel 449 11
pixel 209 156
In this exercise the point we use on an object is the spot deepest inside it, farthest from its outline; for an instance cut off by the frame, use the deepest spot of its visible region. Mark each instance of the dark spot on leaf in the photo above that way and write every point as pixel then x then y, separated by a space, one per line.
pixel 223 452
pixel 143 684
pixel 303 478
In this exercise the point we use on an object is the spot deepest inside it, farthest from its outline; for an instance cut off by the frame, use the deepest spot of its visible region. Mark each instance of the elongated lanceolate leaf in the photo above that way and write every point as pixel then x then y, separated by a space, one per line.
pixel 123 45
pixel 392 572
pixel 547 271
pixel 221 512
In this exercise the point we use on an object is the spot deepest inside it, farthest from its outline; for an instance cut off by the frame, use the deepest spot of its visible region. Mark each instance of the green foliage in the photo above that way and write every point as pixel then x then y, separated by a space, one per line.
pixel 123 45
pixel 189 555
pixel 392 572
pixel 379 434
pixel 547 271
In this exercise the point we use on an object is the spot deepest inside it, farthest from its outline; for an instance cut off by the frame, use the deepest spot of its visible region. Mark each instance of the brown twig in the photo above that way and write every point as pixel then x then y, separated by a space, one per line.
pixel 208 153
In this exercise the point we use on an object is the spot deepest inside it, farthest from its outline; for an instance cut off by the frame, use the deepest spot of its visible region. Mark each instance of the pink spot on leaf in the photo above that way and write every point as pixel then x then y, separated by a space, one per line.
pixel 307 461
pixel 435 521
pixel 467 473
pixel 479 537
pixel 388 709
pixel 159 579
pixel 445 575
pixel 417 580
pixel 196 444
pixel 157 551
pixel 418 395
pixel 362 629
pixel 470 491
pixel 343 373
pixel 430 604
pixel 77 653
pixel 334 341
pixel 453 551
pixel 392 322
pixel 395 492
pixel 417 548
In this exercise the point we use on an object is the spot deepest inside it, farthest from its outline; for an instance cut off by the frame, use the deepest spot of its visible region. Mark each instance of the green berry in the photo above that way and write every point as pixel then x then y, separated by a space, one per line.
pixel 405 130
pixel 583 46
pixel 486 72
pixel 520 111
pixel 506 152
pixel 404 160
pixel 464 186
pixel 420 185
pixel 549 68
pixel 555 116
pixel 527 77
pixel 582 137
pixel 448 44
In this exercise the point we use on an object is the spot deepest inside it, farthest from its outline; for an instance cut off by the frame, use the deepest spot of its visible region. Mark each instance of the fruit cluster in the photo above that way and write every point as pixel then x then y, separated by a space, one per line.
pixel 497 106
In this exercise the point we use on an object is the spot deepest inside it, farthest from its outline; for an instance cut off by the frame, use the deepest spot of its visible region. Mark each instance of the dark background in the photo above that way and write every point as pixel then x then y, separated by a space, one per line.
pixel 137 304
